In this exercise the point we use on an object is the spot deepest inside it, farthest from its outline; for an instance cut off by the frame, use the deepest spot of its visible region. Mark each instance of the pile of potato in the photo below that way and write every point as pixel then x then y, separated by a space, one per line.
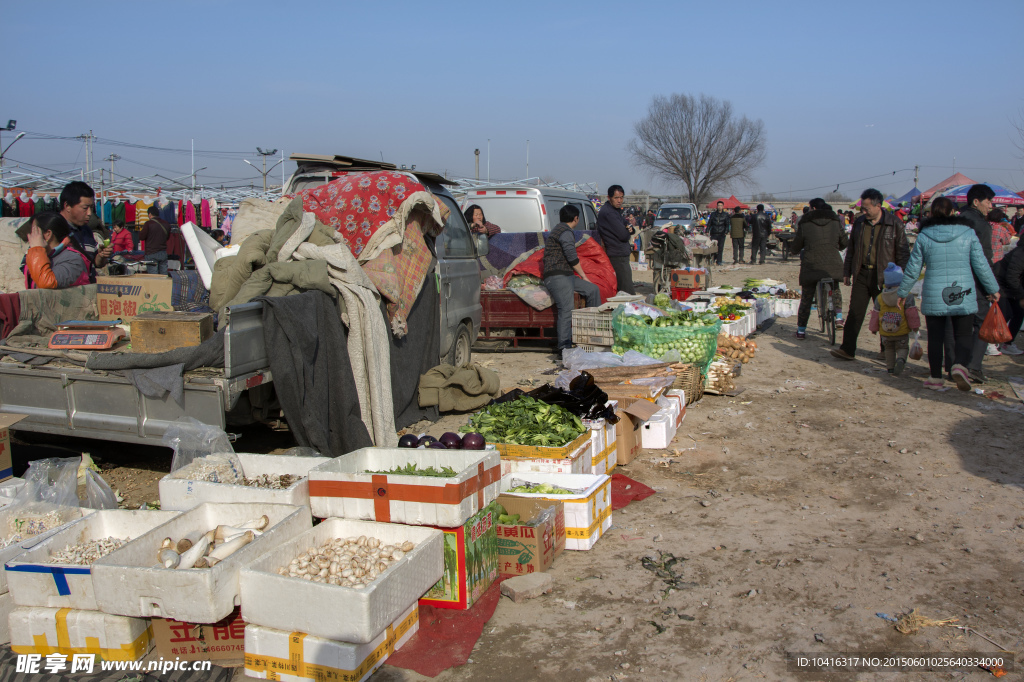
pixel 736 348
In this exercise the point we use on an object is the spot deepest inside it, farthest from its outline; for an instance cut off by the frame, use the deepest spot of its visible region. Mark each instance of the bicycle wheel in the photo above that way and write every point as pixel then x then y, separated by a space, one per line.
pixel 819 298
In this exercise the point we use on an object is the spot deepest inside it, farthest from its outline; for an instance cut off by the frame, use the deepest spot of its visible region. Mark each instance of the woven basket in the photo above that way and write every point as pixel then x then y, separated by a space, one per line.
pixel 691 380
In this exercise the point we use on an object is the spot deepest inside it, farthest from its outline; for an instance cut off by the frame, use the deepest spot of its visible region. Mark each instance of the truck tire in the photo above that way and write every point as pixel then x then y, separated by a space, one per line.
pixel 461 352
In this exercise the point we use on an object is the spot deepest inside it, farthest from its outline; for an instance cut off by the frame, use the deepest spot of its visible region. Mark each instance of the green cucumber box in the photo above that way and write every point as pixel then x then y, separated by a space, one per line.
pixel 470 562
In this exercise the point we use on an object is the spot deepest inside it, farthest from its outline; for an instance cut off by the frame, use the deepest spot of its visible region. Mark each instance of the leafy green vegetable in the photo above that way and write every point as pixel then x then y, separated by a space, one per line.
pixel 526 421
pixel 541 489
pixel 412 469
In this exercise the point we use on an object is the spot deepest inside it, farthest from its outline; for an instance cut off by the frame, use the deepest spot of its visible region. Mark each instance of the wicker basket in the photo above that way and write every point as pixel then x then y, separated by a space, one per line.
pixel 691 380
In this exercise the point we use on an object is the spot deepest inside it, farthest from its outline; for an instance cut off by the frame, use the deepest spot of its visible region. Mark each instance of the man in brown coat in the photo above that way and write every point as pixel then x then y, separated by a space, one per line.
pixel 877 239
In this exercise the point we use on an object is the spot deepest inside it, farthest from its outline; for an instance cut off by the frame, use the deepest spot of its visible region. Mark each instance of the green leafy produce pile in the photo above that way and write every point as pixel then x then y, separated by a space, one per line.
pixel 541 489
pixel 694 335
pixel 663 300
pixel 526 421
pixel 412 469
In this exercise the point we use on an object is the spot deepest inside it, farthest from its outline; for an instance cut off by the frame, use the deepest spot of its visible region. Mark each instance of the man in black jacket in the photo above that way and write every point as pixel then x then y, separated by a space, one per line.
pixel 718 227
pixel 616 236
pixel 761 227
pixel 564 275
pixel 979 203
pixel 818 241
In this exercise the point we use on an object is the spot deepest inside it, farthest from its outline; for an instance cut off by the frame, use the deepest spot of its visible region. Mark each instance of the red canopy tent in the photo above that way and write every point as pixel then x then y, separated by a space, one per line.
pixel 952 181
pixel 730 203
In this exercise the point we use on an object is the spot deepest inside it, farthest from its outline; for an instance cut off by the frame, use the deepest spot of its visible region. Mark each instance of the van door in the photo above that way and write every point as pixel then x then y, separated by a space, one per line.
pixel 590 216
pixel 459 272
pixel 553 205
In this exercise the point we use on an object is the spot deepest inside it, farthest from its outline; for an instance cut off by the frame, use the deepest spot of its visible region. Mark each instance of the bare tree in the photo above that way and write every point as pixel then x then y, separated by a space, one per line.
pixel 697 140
pixel 639 192
pixel 1018 126
pixel 764 198
pixel 837 198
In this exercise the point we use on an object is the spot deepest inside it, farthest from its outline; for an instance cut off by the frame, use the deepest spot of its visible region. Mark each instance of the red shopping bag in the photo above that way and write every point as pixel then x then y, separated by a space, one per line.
pixel 994 328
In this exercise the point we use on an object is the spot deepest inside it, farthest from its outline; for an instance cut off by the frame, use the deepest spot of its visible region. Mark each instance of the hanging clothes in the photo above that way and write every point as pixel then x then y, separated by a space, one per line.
pixel 54 205
pixel 141 212
pixel 9 206
pixel 181 213
pixel 167 213
pixel 40 204
pixel 204 213
pixel 25 208
pixel 117 212
pixel 129 214
pixel 108 212
pixel 190 213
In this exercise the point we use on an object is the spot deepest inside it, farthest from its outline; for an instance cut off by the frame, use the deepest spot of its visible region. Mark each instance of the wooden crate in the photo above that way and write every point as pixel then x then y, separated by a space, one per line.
pixel 159 332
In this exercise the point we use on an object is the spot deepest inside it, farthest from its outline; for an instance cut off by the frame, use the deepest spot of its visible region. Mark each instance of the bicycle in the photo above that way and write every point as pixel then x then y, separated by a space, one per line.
pixel 826 309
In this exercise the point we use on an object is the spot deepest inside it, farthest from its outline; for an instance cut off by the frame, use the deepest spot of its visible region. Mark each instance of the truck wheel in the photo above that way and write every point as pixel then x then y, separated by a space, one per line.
pixel 461 352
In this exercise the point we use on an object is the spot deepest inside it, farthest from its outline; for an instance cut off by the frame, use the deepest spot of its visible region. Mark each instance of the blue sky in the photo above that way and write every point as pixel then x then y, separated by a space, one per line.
pixel 846 90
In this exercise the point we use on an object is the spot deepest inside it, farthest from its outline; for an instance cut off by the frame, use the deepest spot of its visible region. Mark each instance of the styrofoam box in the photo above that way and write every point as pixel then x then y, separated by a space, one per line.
pixel 741 327
pixel 597 441
pixel 72 631
pixel 178 491
pixel 9 489
pixel 680 395
pixel 576 463
pixel 786 307
pixel 33 581
pixel 7 605
pixel 350 469
pixel 127 583
pixel 14 549
pixel 658 431
pixel 276 653
pixel 677 405
pixel 332 611
pixel 587 515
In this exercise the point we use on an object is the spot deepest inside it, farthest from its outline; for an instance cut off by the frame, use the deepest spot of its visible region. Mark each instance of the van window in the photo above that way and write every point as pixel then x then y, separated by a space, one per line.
pixel 457 241
pixel 591 217
pixel 510 213
pixel 676 213
pixel 553 205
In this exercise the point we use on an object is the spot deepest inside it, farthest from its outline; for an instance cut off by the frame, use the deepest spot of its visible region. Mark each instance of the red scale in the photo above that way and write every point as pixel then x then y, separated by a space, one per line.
pixel 86 335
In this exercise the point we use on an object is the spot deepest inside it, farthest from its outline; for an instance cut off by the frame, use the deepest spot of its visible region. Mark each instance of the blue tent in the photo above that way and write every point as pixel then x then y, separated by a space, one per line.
pixel 908 197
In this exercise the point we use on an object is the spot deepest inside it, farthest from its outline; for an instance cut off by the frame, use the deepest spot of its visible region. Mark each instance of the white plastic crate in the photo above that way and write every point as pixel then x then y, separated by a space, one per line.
pixel 178 491
pixel 281 655
pixel 587 515
pixel 44 631
pixel 33 581
pixel 657 432
pixel 340 487
pixel 16 548
pixel 786 307
pixel 7 605
pixel 332 611
pixel 126 582
pixel 576 463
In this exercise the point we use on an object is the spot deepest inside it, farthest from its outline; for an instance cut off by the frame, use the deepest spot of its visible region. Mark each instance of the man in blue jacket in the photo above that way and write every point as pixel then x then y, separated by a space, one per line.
pixel 616 236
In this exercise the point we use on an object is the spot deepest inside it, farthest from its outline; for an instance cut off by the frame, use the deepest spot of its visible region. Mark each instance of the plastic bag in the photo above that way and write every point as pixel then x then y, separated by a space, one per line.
pixel 48 499
pixel 193 440
pixel 98 494
pixel 916 350
pixel 577 358
pixel 994 329
pixel 696 344
pixel 299 451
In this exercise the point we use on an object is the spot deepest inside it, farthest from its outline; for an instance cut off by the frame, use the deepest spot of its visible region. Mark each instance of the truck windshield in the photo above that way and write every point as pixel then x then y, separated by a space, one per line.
pixel 679 213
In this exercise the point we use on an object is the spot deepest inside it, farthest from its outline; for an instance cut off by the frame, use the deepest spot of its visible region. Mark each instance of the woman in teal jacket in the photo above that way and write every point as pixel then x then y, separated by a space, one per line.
pixel 952 257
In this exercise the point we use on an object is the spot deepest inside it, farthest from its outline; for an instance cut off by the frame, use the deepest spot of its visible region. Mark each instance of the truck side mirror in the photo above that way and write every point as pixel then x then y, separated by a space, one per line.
pixel 482 246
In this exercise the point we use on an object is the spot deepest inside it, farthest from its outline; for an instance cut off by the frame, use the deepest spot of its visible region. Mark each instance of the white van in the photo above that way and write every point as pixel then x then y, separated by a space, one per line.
pixel 523 208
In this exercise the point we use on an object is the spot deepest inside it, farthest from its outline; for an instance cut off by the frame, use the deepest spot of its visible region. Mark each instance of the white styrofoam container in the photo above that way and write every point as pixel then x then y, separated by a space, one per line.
pixel 576 463
pixel 679 395
pixel 276 653
pixel 33 581
pixel 332 611
pixel 7 605
pixel 786 307
pixel 587 515
pixel 178 491
pixel 478 474
pixel 114 638
pixel 14 549
pixel 673 407
pixel 658 431
pixel 127 583
pixel 9 489
pixel 597 443
pixel 741 327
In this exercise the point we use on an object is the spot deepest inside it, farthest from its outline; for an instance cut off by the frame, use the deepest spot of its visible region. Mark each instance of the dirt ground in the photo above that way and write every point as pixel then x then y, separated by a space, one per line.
pixel 824 494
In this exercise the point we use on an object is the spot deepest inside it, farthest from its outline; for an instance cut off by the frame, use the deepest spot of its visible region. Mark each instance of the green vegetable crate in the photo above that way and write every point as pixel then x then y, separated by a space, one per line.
pixel 470 562
pixel 588 514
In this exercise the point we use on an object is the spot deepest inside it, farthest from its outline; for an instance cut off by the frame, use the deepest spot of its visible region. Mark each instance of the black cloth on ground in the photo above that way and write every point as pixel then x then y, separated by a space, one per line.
pixel 415 354
pixel 308 350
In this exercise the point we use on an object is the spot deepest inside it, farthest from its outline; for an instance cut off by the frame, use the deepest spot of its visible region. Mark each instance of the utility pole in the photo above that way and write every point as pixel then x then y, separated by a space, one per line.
pixel 527 160
pixel 476 153
pixel 112 158
pixel 88 138
pixel 488 159
pixel 282 172
pixel 915 176
pixel 193 166
pixel 264 172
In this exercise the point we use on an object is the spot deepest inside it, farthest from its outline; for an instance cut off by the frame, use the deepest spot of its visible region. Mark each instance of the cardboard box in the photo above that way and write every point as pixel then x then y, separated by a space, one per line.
pixel 224 640
pixel 124 297
pixel 7 420
pixel 470 562
pixel 587 514
pixel 297 657
pixel 690 278
pixel 157 332
pixel 631 419
pixel 529 549
pixel 335 612
pixel 44 631
pixel 341 487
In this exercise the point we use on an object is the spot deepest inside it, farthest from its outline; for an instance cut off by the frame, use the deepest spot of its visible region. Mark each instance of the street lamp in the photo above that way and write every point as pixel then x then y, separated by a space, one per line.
pixel 10 126
pixel 264 172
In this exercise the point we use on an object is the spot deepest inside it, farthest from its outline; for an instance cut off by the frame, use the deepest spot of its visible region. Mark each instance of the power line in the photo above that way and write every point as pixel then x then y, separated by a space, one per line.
pixel 837 185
